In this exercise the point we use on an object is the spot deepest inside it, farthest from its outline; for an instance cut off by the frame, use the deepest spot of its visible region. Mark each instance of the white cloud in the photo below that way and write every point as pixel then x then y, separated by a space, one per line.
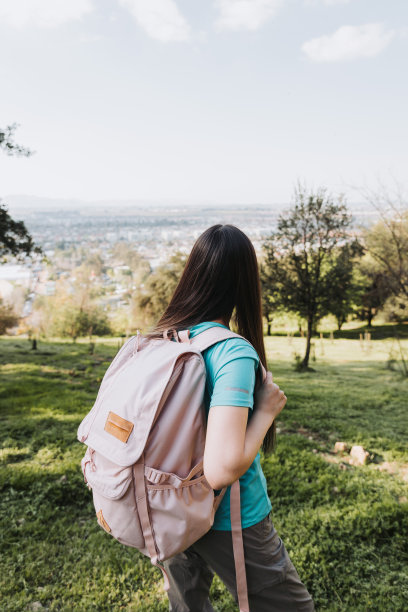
pixel 349 43
pixel 245 14
pixel 42 13
pixel 161 19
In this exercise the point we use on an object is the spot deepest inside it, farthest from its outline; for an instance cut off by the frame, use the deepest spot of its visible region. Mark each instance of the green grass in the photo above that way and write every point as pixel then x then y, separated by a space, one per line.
pixel 345 527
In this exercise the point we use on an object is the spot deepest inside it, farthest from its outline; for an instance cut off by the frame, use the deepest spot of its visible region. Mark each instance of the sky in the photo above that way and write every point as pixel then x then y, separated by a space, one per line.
pixel 211 101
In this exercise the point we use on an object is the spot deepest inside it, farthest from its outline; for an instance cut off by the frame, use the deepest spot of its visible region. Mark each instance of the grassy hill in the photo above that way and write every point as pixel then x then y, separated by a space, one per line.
pixel 345 527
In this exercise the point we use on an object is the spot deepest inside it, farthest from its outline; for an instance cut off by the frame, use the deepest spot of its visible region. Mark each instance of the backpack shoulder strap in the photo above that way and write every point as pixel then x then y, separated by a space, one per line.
pixel 216 334
pixel 212 335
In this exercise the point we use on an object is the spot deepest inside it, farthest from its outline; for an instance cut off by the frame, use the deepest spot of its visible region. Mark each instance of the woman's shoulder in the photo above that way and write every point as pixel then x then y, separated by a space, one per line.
pixel 230 349
pixel 226 350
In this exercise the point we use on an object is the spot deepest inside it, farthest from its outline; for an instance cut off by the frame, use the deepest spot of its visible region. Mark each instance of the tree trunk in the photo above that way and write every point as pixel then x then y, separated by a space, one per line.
pixel 305 362
pixel 268 325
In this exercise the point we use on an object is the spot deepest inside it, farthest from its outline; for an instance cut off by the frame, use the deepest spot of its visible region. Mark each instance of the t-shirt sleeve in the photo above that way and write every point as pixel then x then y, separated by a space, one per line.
pixel 235 367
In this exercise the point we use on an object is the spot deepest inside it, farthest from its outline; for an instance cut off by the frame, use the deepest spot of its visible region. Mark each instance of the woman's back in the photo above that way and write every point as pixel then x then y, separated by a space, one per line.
pixel 231 367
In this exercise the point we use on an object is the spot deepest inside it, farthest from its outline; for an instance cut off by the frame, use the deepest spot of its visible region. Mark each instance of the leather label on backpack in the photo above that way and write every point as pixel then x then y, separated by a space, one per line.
pixel 102 521
pixel 118 427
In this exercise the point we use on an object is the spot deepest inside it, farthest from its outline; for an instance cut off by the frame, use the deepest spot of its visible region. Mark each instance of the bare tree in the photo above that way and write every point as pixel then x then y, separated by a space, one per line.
pixel 387 240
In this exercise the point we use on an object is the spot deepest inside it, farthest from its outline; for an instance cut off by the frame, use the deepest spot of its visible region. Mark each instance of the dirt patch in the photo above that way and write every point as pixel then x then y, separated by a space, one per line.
pixel 393 467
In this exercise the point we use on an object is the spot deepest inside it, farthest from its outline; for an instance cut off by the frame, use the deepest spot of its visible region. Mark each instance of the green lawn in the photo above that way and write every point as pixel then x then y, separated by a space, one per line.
pixel 345 527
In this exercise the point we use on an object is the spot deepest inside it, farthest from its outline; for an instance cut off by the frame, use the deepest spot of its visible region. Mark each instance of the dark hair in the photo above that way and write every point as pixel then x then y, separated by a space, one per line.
pixel 220 280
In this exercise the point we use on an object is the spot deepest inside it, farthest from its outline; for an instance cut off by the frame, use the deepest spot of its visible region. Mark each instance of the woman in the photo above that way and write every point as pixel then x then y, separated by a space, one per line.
pixel 220 282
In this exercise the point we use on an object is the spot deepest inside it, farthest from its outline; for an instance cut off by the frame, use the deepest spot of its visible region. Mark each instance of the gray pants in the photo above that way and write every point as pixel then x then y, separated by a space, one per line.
pixel 273 582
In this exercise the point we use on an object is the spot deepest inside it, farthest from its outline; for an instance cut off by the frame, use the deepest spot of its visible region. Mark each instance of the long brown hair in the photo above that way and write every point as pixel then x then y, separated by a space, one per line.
pixel 220 281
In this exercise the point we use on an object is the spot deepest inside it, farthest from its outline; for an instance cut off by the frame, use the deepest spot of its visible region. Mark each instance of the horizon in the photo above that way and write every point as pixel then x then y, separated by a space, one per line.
pixel 27 203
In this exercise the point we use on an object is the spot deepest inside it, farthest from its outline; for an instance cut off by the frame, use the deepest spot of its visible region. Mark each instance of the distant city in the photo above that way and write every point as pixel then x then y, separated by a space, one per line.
pixel 68 235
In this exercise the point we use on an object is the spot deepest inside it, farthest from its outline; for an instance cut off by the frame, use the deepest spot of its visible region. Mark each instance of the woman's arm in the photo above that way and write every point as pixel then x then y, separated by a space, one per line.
pixel 231 442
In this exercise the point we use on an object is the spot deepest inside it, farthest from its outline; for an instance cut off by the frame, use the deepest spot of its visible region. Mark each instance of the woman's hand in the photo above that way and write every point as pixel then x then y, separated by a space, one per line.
pixel 269 398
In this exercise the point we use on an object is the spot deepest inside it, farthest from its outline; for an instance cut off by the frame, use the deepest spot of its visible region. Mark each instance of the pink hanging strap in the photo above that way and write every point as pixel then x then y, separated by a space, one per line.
pixel 238 547
pixel 141 501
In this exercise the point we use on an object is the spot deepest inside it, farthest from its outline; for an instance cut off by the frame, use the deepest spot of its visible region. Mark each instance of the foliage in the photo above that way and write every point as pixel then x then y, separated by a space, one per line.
pixel 73 321
pixel 8 317
pixel 343 288
pixel 270 293
pixel 15 240
pixel 374 288
pixel 396 308
pixel 307 257
pixel 139 267
pixel 73 312
pixel 345 529
pixel 387 240
pixel 149 302
pixel 8 145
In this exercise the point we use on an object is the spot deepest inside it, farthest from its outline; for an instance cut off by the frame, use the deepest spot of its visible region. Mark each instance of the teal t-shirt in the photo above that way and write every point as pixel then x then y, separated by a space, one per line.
pixel 231 367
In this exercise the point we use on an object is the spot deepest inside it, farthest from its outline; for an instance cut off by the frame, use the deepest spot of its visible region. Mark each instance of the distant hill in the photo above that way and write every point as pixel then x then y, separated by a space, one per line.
pixel 28 203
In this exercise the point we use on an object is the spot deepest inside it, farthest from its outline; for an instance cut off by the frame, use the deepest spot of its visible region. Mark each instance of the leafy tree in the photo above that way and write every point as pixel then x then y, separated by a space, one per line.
pixel 301 256
pixel 270 294
pixel 8 317
pixel 72 312
pixel 374 288
pixel 344 289
pixel 150 301
pixel 15 240
pixel 73 322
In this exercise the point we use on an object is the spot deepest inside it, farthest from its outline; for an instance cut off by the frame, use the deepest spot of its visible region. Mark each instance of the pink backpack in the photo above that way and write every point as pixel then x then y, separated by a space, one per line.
pixel 144 462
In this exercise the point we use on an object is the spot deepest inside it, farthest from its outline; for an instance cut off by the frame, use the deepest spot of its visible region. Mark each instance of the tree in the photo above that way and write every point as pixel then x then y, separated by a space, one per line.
pixel 8 145
pixel 387 240
pixel 396 308
pixel 374 288
pixel 15 240
pixel 74 322
pixel 270 294
pixel 149 303
pixel 139 267
pixel 8 317
pixel 387 243
pixel 302 255
pixel 344 289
